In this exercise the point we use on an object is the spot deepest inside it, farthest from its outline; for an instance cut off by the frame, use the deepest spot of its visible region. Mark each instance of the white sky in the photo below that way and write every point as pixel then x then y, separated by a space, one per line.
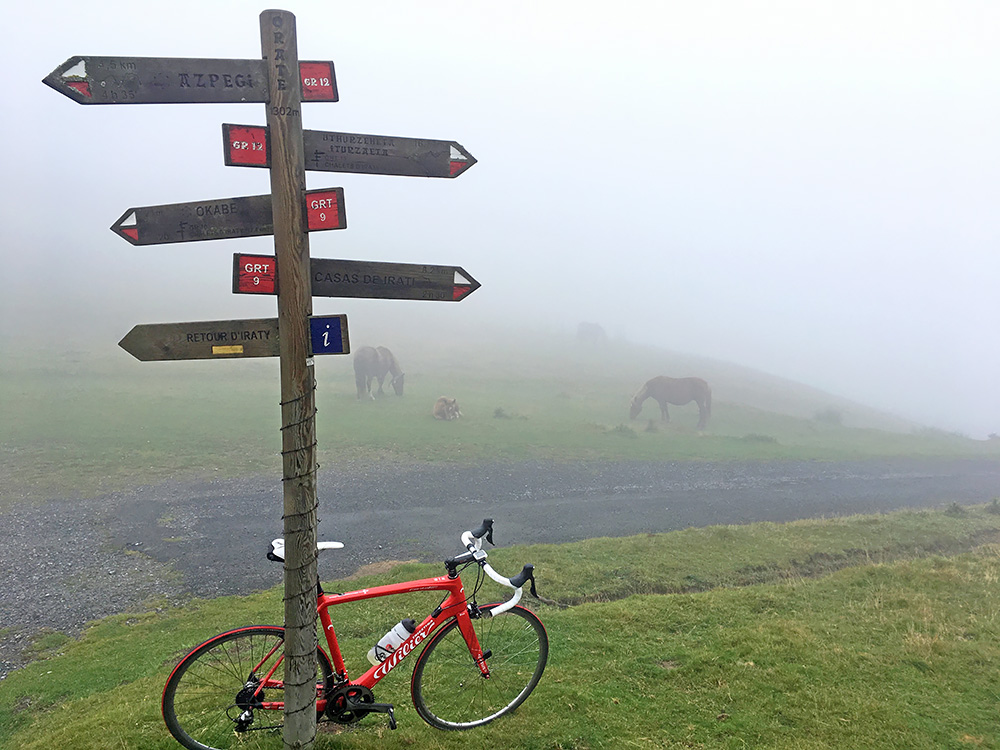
pixel 808 188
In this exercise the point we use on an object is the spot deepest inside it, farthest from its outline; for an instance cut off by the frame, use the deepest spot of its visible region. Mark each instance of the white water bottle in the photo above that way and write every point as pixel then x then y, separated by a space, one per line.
pixel 391 640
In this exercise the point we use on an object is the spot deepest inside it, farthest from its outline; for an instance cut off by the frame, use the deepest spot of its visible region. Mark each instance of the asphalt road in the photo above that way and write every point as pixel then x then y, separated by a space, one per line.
pixel 69 561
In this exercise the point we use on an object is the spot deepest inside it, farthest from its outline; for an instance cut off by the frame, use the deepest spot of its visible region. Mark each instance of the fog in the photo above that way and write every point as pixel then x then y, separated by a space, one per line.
pixel 804 188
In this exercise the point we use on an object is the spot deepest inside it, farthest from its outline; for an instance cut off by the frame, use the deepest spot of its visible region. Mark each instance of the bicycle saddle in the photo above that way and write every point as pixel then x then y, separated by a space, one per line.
pixel 277 551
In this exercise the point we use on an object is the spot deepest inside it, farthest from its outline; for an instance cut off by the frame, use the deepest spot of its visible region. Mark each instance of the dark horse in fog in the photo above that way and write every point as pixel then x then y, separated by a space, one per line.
pixel 371 363
pixel 676 391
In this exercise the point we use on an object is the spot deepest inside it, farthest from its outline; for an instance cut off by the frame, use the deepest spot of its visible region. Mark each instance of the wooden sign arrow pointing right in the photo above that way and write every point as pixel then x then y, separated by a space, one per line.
pixel 257 274
pixel 249 146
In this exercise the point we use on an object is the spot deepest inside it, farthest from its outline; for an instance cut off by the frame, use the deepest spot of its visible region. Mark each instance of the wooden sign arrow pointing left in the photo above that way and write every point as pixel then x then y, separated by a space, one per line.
pixel 224 218
pixel 215 339
pixel 229 339
pixel 178 80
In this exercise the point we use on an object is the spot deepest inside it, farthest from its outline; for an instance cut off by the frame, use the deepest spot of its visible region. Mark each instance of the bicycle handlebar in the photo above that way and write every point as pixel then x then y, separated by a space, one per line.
pixel 473 541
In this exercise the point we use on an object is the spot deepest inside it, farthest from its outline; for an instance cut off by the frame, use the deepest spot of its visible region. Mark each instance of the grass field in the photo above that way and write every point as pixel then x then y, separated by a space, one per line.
pixel 78 423
pixel 861 632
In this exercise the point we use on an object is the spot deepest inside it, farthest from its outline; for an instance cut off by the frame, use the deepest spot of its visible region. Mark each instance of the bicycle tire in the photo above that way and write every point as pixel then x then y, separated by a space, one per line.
pixel 200 698
pixel 449 691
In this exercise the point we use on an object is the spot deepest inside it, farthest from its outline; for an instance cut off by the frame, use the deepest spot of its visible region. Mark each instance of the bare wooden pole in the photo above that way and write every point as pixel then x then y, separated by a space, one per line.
pixel 298 402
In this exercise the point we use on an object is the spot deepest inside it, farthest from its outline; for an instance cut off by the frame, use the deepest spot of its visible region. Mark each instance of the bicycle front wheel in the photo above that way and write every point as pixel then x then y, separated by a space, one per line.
pixel 449 691
pixel 214 699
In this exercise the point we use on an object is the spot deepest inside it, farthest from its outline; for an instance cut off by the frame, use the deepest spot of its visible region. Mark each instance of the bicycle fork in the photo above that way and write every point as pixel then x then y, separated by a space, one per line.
pixel 479 656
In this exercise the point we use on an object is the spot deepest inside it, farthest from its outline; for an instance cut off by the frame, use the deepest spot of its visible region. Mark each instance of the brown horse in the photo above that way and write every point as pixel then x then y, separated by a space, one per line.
pixel 375 363
pixel 676 391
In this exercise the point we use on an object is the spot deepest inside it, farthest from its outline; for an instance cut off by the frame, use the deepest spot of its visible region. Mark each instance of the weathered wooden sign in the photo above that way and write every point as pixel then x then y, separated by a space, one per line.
pixel 215 339
pixel 248 146
pixel 257 274
pixel 178 80
pixel 224 218
pixel 229 339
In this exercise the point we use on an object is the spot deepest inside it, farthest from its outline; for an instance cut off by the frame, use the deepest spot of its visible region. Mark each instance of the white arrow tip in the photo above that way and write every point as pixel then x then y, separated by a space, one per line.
pixel 129 221
pixel 460 279
pixel 77 71
pixel 457 155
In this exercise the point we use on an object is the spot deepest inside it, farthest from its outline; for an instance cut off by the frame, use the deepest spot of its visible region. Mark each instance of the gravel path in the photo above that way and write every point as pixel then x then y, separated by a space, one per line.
pixel 67 562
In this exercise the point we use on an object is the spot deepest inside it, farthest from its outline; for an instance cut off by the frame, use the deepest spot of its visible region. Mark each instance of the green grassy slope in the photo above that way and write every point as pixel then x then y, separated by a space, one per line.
pixel 862 632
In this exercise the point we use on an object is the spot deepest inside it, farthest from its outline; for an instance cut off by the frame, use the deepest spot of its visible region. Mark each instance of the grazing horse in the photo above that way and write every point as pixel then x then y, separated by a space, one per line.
pixel 375 363
pixel 676 391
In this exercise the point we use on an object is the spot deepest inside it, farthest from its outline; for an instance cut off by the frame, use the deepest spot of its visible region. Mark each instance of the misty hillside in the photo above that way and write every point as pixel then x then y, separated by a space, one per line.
pixel 86 418
pixel 475 349
pixel 427 347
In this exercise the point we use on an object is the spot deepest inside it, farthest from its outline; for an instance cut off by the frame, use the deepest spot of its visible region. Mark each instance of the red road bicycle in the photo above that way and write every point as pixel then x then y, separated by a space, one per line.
pixel 478 663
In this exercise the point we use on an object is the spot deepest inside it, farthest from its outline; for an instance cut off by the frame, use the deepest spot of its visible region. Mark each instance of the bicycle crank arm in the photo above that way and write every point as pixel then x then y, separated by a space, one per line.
pixel 373 708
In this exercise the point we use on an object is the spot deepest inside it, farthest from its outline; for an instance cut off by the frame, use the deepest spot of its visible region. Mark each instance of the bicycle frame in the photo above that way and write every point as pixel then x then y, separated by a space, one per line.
pixel 453 605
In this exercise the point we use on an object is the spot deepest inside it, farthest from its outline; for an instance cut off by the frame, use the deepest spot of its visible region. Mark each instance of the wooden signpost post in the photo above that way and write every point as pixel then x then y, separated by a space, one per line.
pixel 281 82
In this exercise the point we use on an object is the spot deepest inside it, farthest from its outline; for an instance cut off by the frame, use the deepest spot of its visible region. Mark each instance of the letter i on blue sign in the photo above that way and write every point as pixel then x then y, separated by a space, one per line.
pixel 326 335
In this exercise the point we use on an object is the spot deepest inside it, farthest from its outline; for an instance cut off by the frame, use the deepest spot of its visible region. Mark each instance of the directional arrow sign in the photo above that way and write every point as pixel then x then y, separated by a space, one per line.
pixel 249 146
pixel 217 339
pixel 224 218
pixel 256 274
pixel 229 339
pixel 175 80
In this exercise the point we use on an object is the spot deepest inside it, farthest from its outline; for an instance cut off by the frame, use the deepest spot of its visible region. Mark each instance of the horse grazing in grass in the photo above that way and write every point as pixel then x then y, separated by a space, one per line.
pixel 375 363
pixel 676 391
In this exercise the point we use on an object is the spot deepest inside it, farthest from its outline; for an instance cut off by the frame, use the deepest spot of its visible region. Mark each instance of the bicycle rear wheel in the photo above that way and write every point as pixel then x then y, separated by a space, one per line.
pixel 211 701
pixel 449 691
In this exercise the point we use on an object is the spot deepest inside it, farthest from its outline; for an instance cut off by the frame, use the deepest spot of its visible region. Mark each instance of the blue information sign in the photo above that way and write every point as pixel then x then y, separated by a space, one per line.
pixel 329 334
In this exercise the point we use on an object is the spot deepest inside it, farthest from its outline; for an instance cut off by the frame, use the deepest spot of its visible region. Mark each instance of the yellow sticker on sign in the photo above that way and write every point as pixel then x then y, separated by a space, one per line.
pixel 238 349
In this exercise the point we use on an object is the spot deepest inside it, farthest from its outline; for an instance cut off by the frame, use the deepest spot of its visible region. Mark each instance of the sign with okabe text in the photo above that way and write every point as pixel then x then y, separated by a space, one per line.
pixel 224 218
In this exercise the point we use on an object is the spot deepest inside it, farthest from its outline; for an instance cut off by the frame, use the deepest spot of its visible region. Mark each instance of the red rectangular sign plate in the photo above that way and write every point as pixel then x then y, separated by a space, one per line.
pixel 319 84
pixel 255 274
pixel 246 145
pixel 325 209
